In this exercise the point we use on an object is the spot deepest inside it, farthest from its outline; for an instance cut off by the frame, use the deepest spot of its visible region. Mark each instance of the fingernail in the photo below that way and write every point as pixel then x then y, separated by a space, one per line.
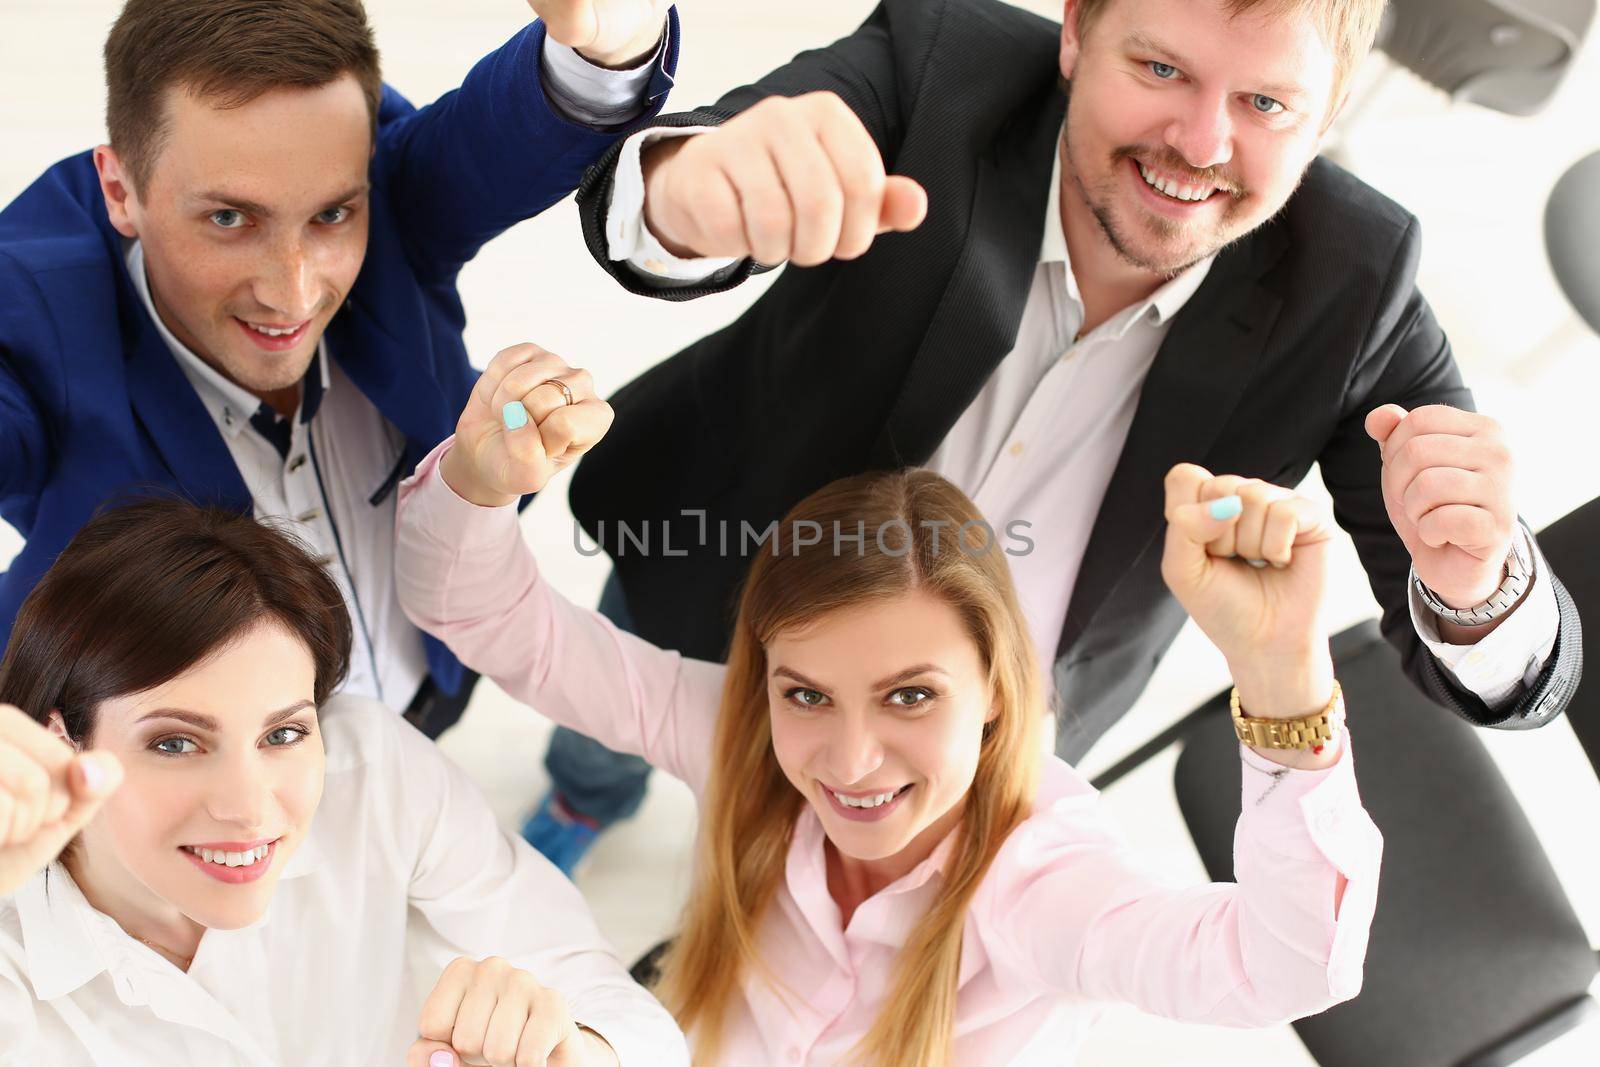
pixel 94 775
pixel 1258 564
pixel 443 1058
pixel 515 417
pixel 1226 507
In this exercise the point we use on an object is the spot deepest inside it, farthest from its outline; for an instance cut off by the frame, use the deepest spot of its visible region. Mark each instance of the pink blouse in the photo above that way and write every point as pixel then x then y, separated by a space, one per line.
pixel 1066 920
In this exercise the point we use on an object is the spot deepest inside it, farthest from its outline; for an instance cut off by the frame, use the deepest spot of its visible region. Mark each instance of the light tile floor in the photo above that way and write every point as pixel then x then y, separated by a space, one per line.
pixel 1477 180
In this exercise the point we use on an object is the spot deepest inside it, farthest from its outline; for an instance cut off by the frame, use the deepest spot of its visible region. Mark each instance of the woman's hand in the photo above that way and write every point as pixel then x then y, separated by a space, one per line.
pixel 518 430
pixel 1266 619
pixel 488 1012
pixel 47 794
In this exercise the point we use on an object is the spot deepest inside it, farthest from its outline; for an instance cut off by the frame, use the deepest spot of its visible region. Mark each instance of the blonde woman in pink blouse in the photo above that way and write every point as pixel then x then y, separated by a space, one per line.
pixel 889 871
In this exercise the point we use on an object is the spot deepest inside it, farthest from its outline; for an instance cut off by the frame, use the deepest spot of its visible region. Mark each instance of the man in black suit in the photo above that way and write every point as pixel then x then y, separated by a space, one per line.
pixel 1131 258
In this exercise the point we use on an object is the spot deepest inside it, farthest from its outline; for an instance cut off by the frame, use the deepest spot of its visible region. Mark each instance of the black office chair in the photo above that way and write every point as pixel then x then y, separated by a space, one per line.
pixel 1572 545
pixel 1508 55
pixel 1476 956
pixel 1572 236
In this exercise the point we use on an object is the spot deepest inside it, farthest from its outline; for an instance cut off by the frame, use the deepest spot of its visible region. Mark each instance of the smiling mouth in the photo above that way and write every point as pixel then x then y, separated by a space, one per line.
pixel 1179 192
pixel 233 866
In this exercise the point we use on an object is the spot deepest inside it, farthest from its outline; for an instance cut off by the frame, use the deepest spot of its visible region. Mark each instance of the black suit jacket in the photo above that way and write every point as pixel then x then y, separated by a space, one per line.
pixel 1299 330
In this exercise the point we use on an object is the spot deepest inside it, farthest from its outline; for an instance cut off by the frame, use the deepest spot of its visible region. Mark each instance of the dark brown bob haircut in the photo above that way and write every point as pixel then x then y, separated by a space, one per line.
pixel 228 52
pixel 146 591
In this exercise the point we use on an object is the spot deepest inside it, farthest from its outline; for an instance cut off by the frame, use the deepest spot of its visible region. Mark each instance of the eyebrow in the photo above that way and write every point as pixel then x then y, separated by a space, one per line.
pixel 251 207
pixel 883 683
pixel 207 723
pixel 1139 41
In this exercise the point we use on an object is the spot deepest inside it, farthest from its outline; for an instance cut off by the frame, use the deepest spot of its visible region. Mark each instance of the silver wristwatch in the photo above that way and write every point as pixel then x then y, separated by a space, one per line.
pixel 1519 572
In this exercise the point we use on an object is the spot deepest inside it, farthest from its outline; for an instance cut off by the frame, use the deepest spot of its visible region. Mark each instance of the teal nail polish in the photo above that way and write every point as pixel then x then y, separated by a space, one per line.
pixel 514 415
pixel 1227 507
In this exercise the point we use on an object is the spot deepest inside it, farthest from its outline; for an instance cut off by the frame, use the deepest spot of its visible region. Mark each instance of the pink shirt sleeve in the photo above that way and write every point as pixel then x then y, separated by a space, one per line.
pixel 1070 906
pixel 466 576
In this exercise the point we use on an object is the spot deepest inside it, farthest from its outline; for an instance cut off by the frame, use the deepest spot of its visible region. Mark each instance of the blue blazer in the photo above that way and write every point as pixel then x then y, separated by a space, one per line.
pixel 92 404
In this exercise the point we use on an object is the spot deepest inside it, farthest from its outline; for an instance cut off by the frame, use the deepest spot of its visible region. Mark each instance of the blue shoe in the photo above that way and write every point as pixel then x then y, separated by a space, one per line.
pixel 562 835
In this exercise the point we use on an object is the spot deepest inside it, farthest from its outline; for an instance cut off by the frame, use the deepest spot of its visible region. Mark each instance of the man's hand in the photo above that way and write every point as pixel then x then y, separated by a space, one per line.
pixel 487 1012
pixel 518 430
pixel 792 179
pixel 610 33
pixel 1447 480
pixel 47 794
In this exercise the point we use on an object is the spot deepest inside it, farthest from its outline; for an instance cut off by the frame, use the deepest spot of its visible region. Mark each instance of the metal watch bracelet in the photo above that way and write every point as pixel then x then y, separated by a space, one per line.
pixel 1519 574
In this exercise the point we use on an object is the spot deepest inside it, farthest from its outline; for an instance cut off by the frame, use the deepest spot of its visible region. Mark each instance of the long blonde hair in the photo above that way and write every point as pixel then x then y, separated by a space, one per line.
pixel 917 532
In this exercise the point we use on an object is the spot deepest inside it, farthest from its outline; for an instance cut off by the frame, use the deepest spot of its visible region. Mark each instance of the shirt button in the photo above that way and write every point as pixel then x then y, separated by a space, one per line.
pixel 795 1055
pixel 655 265
pixel 1016 448
pixel 310 516
pixel 296 463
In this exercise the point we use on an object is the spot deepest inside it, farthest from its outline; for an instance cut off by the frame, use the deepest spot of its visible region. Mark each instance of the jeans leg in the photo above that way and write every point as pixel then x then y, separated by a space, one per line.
pixel 591 778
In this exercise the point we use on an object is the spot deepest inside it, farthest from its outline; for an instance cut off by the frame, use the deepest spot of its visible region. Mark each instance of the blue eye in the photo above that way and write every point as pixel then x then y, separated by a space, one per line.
pixel 1265 104
pixel 172 746
pixel 228 218
pixel 1164 71
pixel 286 735
pixel 333 216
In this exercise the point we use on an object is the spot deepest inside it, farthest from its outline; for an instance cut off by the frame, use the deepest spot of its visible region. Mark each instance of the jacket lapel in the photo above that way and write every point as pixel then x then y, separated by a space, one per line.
pixel 178 424
pixel 1193 386
pixel 978 315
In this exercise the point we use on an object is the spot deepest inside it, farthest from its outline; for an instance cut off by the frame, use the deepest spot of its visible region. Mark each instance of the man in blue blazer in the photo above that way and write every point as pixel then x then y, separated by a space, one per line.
pixel 249 295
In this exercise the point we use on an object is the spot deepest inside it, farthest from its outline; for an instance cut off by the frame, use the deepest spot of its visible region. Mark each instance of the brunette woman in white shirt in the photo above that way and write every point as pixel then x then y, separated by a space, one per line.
pixel 886 872
pixel 206 859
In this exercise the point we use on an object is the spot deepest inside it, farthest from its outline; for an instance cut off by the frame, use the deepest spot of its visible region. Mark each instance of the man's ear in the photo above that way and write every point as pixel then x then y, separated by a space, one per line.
pixel 117 188
pixel 58 727
pixel 1070 40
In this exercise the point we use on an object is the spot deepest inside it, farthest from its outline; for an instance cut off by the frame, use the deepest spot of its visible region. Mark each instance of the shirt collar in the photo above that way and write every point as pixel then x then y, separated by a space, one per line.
pixel 1160 305
pixel 58 933
pixel 230 404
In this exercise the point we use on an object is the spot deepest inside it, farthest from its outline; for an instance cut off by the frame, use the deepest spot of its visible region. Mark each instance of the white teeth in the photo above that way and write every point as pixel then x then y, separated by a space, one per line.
pixel 269 331
pixel 231 859
pixel 1173 189
pixel 865 802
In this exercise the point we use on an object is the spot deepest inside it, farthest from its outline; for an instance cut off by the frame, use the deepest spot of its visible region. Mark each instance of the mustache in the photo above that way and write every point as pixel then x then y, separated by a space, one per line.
pixel 1168 161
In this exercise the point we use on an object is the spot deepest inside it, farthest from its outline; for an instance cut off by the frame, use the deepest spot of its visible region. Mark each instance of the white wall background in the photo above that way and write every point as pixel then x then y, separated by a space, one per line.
pixel 1477 180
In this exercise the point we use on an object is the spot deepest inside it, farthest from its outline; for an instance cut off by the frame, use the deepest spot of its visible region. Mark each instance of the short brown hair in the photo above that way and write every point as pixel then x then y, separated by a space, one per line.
pixel 230 52
pixel 146 591
pixel 1348 26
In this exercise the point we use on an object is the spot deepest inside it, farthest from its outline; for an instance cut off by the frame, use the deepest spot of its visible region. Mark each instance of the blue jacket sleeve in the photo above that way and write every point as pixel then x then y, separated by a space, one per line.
pixel 24 443
pixel 485 156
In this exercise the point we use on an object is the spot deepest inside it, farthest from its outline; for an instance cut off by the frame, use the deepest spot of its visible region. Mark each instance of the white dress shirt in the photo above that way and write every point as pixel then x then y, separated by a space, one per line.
pixel 1040 441
pixel 404 870
pixel 344 453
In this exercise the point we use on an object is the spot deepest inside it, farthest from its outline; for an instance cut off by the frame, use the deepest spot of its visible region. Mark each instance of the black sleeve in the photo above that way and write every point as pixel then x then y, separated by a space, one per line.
pixel 875 72
pixel 1408 362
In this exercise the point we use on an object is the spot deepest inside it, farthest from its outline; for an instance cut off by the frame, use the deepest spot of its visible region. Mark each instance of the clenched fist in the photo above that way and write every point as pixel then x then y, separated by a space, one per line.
pixel 47 794
pixel 487 1012
pixel 518 428
pixel 794 179
pixel 612 33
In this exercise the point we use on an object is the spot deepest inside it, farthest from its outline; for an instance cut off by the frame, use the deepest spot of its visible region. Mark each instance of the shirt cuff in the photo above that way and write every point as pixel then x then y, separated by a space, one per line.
pixel 627 236
pixel 1510 657
pixel 448 518
pixel 580 91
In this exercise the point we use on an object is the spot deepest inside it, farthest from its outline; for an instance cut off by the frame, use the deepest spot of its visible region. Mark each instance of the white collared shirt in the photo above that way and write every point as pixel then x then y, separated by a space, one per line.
pixel 1040 441
pixel 404 870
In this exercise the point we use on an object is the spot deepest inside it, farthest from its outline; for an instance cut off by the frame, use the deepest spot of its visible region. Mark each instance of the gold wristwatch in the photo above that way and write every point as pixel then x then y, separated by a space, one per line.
pixel 1308 731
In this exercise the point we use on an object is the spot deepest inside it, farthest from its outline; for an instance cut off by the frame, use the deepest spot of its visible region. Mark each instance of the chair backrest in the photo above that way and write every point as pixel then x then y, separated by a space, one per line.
pixel 1572 236
pixel 1571 545
pixel 1509 55
pixel 1475 945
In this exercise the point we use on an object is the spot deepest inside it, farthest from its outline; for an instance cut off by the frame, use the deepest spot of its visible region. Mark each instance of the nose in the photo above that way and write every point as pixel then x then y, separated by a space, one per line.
pixel 1203 132
pixel 288 283
pixel 241 795
pixel 854 750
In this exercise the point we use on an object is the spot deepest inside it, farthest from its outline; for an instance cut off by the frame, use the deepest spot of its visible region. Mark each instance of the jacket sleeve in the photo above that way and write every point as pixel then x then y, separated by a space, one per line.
pixel 489 154
pixel 876 72
pixel 24 442
pixel 1408 362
